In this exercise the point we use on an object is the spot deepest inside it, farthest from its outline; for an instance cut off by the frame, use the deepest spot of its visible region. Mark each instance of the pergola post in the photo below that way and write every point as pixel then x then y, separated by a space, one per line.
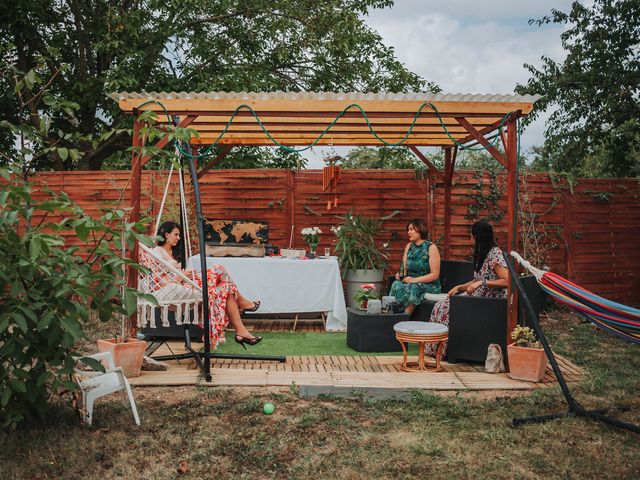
pixel 449 163
pixel 134 216
pixel 511 151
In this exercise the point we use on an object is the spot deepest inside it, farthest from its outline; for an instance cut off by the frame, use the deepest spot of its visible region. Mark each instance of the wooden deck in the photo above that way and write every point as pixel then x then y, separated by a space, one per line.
pixel 340 371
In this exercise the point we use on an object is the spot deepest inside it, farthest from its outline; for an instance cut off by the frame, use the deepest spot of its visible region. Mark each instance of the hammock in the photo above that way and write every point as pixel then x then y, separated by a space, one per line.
pixel 620 320
pixel 171 288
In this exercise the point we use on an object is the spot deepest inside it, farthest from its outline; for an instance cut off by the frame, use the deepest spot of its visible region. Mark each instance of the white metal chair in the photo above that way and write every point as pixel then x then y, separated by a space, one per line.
pixel 96 384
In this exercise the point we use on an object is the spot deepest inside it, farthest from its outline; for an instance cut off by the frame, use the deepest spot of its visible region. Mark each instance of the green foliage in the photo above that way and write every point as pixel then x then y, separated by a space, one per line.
pixel 49 290
pixel 593 129
pixel 382 158
pixel 524 337
pixel 356 245
pixel 89 49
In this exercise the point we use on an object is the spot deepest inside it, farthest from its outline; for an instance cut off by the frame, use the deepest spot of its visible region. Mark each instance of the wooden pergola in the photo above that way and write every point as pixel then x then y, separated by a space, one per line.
pixel 448 121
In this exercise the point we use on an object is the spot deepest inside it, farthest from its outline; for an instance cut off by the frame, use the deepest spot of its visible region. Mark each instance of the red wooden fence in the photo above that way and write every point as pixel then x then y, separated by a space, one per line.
pixel 587 231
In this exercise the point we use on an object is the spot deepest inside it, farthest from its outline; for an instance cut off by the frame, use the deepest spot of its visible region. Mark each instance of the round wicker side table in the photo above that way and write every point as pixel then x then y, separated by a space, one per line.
pixel 421 333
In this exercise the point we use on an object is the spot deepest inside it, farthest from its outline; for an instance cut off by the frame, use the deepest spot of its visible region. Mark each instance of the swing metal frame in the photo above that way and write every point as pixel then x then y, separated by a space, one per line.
pixel 574 407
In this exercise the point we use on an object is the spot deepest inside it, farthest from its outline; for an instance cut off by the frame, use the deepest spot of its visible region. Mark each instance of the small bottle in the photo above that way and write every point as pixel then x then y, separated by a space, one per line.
pixel 401 270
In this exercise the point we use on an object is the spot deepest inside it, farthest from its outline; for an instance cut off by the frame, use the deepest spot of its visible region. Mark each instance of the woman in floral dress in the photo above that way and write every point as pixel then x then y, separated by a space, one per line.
pixel 225 301
pixel 421 266
pixel 489 276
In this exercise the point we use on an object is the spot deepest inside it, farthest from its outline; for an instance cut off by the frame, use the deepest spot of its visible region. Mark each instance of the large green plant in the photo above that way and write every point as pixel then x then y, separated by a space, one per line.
pixel 356 244
pixel 49 290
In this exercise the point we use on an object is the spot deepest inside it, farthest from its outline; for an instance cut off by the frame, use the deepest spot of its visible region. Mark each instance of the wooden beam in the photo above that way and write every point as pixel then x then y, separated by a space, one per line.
pixel 309 129
pixel 483 141
pixel 371 141
pixel 350 121
pixel 448 176
pixel 512 216
pixel 212 163
pixel 134 216
pixel 185 122
pixel 432 168
pixel 199 105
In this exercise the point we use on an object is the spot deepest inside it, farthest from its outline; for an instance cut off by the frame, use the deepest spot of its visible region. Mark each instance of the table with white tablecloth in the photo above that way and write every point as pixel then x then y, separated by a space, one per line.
pixel 285 285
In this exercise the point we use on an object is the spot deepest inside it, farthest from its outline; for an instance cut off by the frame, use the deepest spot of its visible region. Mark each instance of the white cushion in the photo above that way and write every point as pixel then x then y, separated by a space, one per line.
pixel 425 328
pixel 434 297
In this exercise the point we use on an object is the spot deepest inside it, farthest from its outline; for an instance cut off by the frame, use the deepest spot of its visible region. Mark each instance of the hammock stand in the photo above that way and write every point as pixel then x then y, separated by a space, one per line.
pixel 188 297
pixel 575 409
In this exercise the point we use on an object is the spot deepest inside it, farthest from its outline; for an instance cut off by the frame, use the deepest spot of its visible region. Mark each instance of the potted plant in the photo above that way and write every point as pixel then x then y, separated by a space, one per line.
pixel 361 259
pixel 127 353
pixel 367 292
pixel 527 359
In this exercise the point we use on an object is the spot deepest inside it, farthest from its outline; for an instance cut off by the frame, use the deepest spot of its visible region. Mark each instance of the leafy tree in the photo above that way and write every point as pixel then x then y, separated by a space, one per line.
pixel 88 49
pixel 381 157
pixel 594 93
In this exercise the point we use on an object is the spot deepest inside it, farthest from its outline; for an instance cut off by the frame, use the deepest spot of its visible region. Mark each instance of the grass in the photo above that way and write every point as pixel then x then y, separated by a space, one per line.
pixel 220 432
pixel 289 343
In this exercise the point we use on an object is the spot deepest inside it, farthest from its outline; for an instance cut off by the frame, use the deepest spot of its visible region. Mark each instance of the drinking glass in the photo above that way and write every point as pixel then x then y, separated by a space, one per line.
pixel 327 252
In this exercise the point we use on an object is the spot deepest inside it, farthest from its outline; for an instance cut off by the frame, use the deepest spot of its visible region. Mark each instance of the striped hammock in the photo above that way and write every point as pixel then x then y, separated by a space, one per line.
pixel 620 320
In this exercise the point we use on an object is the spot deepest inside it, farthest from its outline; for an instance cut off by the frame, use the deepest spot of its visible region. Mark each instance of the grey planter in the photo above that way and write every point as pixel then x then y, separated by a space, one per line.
pixel 355 278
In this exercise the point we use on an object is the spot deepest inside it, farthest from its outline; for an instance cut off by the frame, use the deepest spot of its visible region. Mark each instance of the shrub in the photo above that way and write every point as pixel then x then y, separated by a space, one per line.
pixel 48 291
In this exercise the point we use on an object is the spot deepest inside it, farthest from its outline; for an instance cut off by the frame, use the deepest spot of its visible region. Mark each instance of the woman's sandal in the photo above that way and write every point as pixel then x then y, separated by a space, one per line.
pixel 256 306
pixel 249 341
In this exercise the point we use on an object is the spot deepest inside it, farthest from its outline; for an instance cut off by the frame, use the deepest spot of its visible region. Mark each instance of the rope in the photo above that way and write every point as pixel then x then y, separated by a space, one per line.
pixel 207 151
pixel 183 209
pixel 164 198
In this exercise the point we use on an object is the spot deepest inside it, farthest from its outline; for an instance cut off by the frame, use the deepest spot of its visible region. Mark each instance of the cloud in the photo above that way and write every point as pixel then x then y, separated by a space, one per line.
pixel 471 46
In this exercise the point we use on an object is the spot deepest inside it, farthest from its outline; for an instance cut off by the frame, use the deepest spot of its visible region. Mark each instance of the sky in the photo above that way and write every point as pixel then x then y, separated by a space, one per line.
pixel 469 46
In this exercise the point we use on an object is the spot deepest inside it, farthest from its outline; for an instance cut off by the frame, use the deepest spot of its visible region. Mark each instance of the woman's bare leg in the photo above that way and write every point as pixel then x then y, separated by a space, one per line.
pixel 243 302
pixel 234 318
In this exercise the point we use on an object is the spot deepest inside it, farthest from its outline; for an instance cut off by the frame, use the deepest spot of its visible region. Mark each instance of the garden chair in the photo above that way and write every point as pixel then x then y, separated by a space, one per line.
pixel 95 384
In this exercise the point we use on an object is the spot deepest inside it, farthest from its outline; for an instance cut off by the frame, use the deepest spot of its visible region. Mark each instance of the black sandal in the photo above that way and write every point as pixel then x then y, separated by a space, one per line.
pixel 249 341
pixel 256 306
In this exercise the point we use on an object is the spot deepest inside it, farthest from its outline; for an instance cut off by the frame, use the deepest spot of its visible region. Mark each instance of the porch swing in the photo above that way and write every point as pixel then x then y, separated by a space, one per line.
pixel 184 297
pixel 174 291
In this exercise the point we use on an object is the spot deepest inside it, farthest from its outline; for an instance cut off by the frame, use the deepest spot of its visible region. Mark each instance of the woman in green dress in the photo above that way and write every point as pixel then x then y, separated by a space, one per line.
pixel 420 268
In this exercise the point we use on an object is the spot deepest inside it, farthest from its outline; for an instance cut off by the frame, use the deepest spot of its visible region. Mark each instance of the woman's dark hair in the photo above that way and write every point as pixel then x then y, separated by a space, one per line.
pixel 419 226
pixel 483 233
pixel 168 227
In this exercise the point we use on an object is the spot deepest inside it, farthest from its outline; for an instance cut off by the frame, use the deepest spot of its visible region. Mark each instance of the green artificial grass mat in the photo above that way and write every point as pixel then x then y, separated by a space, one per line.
pixel 291 343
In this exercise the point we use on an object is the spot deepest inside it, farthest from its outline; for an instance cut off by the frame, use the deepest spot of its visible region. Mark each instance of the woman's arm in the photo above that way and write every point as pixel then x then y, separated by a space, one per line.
pixel 434 267
pixel 403 266
pixel 460 288
pixel 501 282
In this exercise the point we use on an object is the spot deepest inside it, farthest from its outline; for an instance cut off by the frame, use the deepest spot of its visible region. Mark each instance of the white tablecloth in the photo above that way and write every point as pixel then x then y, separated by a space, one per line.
pixel 288 286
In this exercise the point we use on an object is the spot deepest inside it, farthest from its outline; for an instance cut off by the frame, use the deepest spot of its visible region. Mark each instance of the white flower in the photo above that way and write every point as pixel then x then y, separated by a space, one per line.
pixel 385 245
pixel 335 230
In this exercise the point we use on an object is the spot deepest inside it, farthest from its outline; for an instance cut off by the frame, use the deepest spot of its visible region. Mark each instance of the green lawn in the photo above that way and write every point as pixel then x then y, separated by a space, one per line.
pixel 221 432
pixel 290 343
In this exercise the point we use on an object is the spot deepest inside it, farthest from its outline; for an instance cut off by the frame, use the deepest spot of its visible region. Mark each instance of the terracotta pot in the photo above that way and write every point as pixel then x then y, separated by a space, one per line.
pixel 526 363
pixel 127 355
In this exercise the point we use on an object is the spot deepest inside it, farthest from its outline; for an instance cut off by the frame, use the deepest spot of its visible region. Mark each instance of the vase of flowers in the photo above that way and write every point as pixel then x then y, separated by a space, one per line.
pixel 311 235
pixel 367 292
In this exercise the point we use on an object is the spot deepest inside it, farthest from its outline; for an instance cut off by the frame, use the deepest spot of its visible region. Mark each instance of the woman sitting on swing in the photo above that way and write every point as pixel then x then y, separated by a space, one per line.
pixel 225 301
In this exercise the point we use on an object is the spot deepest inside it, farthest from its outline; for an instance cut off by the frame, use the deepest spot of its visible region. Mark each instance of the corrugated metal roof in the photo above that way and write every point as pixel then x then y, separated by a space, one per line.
pixel 350 96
